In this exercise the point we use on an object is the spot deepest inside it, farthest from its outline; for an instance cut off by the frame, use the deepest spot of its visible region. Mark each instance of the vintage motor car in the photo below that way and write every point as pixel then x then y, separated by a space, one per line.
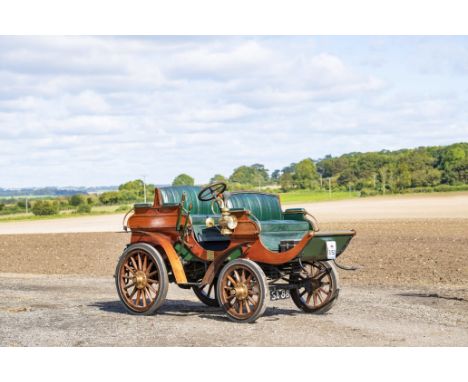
pixel 235 250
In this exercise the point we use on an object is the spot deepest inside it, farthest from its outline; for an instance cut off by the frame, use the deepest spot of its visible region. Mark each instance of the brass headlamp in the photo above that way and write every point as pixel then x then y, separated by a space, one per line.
pixel 226 222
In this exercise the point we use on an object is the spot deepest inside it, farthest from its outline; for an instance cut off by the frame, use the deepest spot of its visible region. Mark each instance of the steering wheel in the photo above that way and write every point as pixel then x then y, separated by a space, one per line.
pixel 211 191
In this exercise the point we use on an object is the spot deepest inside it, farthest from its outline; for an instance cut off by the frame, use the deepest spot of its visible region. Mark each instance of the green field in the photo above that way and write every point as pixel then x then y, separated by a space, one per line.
pixel 98 210
pixel 315 196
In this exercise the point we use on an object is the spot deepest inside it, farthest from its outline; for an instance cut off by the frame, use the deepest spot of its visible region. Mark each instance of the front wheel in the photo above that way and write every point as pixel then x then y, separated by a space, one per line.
pixel 319 287
pixel 242 289
pixel 141 279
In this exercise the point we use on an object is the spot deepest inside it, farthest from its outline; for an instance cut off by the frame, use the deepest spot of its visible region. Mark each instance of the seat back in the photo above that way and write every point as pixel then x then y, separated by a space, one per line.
pixel 263 206
pixel 173 195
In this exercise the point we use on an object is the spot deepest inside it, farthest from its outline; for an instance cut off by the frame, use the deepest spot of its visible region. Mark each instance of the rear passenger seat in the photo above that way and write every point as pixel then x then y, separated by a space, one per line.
pixel 267 209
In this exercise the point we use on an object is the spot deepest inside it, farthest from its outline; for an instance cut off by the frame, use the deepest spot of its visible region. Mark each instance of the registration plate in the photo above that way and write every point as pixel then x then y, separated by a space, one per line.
pixel 331 250
pixel 279 294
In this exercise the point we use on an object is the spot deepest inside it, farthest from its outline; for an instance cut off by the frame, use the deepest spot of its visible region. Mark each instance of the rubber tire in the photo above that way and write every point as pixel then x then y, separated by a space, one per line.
pixel 335 279
pixel 163 277
pixel 204 298
pixel 262 282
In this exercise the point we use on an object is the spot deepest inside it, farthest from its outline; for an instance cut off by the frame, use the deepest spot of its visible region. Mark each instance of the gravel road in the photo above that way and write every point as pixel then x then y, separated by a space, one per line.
pixel 78 311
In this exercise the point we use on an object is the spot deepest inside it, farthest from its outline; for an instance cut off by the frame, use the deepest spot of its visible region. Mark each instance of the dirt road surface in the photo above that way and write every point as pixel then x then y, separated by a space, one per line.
pixel 411 287
pixel 424 206
pixel 79 311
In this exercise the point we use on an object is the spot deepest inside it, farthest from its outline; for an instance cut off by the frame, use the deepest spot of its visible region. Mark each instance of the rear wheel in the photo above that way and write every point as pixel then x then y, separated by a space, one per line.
pixel 141 279
pixel 242 289
pixel 207 294
pixel 319 287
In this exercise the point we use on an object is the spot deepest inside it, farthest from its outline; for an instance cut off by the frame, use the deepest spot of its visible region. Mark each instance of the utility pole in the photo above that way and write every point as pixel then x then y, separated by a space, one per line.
pixel 321 181
pixel 144 185
pixel 329 187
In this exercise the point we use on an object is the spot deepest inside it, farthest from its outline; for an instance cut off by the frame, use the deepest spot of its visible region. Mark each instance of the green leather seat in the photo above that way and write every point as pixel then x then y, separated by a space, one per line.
pixel 173 195
pixel 267 209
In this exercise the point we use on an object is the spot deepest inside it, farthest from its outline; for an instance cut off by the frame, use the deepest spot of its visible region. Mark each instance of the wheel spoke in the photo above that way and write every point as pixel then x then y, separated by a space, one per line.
pixel 303 293
pixel 150 265
pixel 144 297
pixel 308 298
pixel 129 285
pixel 247 306
pixel 240 306
pixel 244 279
pixel 133 263
pixel 323 291
pixel 152 273
pixel 236 275
pixel 151 287
pixel 129 269
pixel 321 275
pixel 145 263
pixel 152 280
pixel 319 297
pixel 133 293
pixel 230 296
pixel 232 280
pixel 140 264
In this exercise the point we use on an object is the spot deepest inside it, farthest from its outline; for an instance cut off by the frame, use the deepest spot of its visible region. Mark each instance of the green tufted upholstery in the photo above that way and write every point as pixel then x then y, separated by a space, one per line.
pixel 173 195
pixel 267 209
pixel 263 206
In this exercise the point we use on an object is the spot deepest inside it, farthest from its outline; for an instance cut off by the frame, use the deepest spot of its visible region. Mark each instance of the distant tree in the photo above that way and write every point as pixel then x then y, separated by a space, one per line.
pixel 260 172
pixel 183 180
pixel 218 178
pixel 286 181
pixel 84 209
pixel 251 175
pixel 461 169
pixel 45 207
pixel 289 169
pixel 77 199
pixel 2 206
pixel 305 175
pixel 22 203
pixel 275 175
pixel 110 197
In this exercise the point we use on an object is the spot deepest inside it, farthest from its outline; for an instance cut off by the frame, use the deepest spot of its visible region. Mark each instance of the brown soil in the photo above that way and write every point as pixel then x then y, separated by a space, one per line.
pixel 398 253
pixel 411 290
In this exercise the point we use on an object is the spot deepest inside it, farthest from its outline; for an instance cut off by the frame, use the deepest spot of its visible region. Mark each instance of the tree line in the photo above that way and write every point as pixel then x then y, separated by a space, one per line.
pixel 436 168
pixel 422 169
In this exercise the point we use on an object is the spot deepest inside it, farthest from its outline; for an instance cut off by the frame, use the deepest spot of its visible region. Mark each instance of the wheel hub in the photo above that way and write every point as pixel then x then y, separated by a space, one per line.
pixel 241 291
pixel 141 280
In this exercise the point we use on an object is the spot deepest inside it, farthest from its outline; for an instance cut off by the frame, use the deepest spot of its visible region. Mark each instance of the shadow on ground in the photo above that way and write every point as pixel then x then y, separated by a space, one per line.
pixel 190 308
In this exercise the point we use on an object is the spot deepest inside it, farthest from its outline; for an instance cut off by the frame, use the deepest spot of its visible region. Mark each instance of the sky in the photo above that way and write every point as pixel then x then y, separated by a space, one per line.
pixel 93 111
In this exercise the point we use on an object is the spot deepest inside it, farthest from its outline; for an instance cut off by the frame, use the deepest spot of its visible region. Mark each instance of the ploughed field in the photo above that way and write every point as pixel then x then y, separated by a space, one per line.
pixel 411 289
pixel 425 253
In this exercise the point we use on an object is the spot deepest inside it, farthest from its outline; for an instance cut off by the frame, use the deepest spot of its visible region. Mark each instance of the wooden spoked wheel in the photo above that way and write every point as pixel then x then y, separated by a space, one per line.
pixel 242 290
pixel 319 289
pixel 141 279
pixel 207 294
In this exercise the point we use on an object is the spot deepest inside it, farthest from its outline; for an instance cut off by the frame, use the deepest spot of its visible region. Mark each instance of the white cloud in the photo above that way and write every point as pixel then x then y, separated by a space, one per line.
pixel 101 110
